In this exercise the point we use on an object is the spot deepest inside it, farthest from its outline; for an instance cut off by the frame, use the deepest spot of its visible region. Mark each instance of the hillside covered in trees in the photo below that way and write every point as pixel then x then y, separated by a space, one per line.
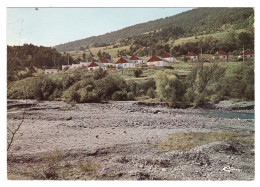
pixel 197 21
pixel 28 57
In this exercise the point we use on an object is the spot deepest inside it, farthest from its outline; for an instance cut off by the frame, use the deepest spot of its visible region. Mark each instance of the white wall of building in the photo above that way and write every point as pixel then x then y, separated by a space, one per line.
pixel 170 59
pixel 128 65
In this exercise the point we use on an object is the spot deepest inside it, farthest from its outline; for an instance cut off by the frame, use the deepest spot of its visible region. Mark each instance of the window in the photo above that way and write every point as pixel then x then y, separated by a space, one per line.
pixel 158 63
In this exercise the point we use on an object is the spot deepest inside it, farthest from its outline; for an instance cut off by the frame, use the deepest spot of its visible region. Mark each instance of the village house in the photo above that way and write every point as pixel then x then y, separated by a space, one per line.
pixel 125 63
pixel 220 55
pixel 50 71
pixel 192 56
pixel 108 62
pixel 73 66
pixel 84 64
pixel 247 54
pixel 96 65
pixel 169 57
pixel 137 60
pixel 157 61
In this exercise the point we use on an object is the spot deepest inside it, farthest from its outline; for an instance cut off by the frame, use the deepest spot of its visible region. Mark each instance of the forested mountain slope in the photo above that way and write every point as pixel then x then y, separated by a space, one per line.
pixel 194 22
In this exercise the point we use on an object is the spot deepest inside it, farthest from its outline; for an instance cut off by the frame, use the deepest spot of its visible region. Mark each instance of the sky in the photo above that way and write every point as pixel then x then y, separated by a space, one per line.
pixel 52 26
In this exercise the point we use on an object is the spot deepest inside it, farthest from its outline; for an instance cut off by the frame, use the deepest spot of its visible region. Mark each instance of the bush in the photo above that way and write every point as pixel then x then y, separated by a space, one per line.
pixel 138 72
pixel 151 93
pixel 99 74
pixel 169 88
pixel 89 97
pixel 119 96
pixel 143 86
pixel 107 86
pixel 130 96
pixel 74 96
pixel 239 80
pixel 40 87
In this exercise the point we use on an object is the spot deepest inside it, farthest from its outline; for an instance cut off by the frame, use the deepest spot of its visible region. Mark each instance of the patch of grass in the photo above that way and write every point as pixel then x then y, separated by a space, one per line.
pixel 87 166
pixel 187 141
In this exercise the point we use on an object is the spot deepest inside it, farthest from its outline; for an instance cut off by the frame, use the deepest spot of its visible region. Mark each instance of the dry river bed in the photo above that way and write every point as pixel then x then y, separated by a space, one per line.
pixel 120 141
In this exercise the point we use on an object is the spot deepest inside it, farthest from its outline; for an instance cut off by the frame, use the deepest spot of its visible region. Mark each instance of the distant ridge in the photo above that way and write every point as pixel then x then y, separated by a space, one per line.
pixel 194 22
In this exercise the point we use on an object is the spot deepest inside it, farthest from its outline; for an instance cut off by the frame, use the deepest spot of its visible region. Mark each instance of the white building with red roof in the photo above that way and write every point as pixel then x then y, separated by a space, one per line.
pixel 96 65
pixel 108 62
pixel 192 56
pixel 137 60
pixel 169 57
pixel 125 63
pixel 220 55
pixel 157 61
pixel 247 54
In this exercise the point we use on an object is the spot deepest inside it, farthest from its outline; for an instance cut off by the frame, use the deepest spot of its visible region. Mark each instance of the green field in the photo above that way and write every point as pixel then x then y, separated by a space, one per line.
pixel 219 35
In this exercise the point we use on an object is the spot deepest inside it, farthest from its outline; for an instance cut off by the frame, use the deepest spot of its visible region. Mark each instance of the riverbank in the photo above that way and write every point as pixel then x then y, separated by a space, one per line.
pixel 126 141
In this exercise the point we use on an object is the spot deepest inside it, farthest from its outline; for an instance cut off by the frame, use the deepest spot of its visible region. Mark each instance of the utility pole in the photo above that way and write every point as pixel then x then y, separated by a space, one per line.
pixel 243 53
pixel 201 53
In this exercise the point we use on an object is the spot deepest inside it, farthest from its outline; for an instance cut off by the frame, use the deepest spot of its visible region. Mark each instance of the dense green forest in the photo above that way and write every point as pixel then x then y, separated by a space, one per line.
pixel 30 57
pixel 197 21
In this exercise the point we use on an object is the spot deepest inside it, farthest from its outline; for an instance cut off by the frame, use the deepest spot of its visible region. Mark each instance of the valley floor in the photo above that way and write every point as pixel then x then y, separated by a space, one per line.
pixel 126 141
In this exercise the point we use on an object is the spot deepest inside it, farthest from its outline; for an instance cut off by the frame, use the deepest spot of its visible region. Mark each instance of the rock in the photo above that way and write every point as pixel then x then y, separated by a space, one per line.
pixel 164 169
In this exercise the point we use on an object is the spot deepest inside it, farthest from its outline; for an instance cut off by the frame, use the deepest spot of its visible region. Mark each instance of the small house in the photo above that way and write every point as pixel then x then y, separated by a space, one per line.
pixel 169 57
pixel 220 55
pixel 108 62
pixel 247 54
pixel 73 66
pixel 96 65
pixel 157 61
pixel 125 63
pixel 50 71
pixel 192 56
pixel 84 64
pixel 137 60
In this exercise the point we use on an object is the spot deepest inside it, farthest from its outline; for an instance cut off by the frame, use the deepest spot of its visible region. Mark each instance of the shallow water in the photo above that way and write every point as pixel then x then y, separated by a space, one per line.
pixel 229 114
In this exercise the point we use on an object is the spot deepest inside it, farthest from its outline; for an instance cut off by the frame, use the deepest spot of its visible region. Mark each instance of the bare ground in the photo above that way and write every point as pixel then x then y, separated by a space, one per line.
pixel 120 141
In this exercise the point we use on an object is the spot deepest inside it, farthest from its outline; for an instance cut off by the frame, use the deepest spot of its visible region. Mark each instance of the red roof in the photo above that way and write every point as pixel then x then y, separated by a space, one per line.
pixel 155 58
pixel 222 53
pixel 248 52
pixel 104 61
pixel 123 60
pixel 134 58
pixel 167 55
pixel 191 54
pixel 92 64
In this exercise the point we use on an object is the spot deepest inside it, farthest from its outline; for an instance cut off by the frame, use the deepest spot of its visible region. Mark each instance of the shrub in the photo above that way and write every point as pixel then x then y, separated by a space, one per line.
pixel 143 86
pixel 138 72
pixel 151 93
pixel 99 74
pixel 119 96
pixel 89 97
pixel 130 96
pixel 107 86
pixel 169 88
pixel 40 87
pixel 240 81
pixel 74 96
